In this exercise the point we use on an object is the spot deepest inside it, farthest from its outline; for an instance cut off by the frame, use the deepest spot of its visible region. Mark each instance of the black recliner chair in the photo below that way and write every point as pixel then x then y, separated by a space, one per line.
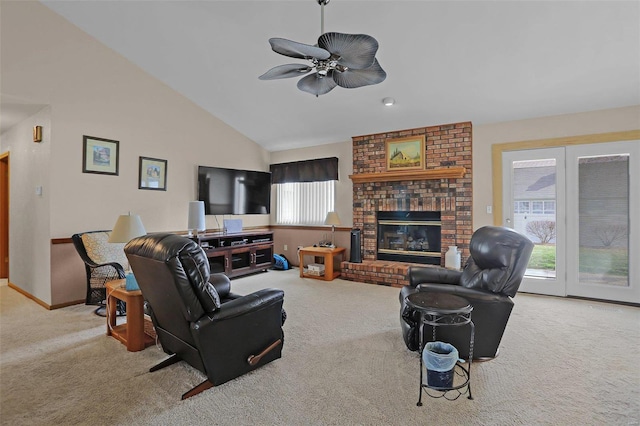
pixel 195 315
pixel 489 280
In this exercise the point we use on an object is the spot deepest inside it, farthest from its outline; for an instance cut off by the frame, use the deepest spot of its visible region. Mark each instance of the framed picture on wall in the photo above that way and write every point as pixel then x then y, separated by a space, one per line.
pixel 152 174
pixel 405 154
pixel 100 155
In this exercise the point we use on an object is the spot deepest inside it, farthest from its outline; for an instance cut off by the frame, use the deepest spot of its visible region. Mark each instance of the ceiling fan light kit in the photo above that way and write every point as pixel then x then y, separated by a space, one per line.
pixel 345 60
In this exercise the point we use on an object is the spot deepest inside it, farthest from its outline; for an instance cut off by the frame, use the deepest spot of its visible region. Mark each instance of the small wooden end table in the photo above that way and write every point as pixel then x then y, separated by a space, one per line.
pixel 328 253
pixel 131 334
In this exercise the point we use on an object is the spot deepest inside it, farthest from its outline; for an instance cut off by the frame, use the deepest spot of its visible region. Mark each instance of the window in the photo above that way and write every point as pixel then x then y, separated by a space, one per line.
pixel 304 203
pixel 537 207
pixel 521 207
pixel 534 207
pixel 305 190
pixel 549 207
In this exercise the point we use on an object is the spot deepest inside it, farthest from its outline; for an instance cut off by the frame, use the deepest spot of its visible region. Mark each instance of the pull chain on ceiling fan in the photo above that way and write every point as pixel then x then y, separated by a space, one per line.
pixel 345 60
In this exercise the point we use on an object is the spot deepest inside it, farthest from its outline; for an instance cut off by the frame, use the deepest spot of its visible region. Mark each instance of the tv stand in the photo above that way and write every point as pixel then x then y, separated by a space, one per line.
pixel 238 254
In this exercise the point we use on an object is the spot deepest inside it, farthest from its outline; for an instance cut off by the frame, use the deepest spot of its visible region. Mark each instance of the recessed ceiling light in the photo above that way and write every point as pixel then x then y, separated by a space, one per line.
pixel 388 101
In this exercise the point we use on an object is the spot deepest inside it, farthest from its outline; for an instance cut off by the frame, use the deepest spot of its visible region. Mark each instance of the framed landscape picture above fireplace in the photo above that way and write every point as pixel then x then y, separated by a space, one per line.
pixel 405 153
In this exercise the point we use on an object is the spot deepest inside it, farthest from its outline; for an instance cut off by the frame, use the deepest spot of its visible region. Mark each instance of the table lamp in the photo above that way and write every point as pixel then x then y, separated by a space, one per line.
pixel 127 228
pixel 196 222
pixel 332 219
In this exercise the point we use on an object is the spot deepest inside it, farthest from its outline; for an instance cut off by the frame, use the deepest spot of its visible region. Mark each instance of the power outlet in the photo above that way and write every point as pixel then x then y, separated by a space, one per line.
pixel 285 247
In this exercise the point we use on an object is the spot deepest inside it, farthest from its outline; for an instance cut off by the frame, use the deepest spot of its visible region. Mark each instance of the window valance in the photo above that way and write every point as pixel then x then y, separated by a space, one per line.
pixel 318 170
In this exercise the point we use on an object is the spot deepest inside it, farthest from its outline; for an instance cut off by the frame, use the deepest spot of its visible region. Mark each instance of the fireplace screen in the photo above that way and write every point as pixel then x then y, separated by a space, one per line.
pixel 409 237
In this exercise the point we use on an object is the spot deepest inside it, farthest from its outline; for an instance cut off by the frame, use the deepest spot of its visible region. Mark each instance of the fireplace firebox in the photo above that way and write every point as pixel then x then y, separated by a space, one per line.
pixel 409 236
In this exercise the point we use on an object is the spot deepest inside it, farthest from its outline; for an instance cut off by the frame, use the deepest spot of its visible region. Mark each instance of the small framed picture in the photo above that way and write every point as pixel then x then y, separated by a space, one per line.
pixel 100 155
pixel 405 153
pixel 152 174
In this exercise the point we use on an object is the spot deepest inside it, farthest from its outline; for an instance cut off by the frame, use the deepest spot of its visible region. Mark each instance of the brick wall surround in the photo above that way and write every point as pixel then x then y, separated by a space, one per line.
pixel 446 145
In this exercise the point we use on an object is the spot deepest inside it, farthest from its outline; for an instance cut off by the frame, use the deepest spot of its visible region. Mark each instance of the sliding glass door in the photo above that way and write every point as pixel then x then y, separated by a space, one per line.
pixel 580 205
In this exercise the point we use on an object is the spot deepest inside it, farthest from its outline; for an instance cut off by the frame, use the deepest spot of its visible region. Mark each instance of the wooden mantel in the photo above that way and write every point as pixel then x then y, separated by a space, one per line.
pixel 443 173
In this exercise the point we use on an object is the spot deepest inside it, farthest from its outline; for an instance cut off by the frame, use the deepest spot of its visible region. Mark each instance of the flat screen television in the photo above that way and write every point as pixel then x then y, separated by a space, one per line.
pixel 231 191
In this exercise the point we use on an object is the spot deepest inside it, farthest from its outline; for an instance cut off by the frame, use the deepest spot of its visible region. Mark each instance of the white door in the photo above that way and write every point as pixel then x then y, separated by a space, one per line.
pixel 534 205
pixel 581 206
pixel 603 217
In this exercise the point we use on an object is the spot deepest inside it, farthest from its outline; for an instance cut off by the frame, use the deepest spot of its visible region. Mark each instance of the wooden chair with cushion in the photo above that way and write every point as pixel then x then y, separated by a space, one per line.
pixel 103 261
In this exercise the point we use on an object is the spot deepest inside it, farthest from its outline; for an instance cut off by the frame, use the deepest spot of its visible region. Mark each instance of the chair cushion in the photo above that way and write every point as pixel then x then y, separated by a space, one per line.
pixel 101 251
pixel 196 267
pixel 498 260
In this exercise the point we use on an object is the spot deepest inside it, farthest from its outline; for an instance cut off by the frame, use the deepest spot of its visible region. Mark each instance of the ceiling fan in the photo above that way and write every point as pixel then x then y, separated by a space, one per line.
pixel 345 60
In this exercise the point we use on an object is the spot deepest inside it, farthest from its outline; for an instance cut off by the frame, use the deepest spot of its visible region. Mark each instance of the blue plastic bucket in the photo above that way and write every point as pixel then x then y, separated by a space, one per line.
pixel 440 360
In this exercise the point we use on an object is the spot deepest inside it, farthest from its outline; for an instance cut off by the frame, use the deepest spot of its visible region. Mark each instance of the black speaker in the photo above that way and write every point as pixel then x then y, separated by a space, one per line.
pixel 356 254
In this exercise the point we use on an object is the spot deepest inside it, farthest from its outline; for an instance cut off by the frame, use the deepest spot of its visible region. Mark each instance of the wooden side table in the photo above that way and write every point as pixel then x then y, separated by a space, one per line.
pixel 328 253
pixel 131 334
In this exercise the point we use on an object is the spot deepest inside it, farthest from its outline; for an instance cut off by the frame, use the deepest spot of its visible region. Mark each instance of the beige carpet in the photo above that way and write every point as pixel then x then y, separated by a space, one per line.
pixel 562 361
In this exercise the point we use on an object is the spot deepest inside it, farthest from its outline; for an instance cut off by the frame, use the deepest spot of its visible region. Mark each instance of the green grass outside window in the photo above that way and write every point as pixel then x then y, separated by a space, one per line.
pixel 593 260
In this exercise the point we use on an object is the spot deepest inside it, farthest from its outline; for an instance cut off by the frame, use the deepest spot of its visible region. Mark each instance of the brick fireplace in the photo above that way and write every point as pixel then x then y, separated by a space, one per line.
pixel 443 186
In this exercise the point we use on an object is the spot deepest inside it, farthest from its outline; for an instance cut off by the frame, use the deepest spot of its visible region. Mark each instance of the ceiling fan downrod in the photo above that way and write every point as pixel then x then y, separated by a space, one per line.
pixel 322 4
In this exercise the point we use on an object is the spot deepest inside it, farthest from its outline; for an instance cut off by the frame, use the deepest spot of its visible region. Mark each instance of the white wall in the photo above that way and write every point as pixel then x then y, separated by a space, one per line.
pixel 29 243
pixel 93 91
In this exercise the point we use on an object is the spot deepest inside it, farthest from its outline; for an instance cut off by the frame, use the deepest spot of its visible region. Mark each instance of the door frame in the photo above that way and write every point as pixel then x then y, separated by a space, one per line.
pixel 575 287
pixel 498 149
pixel 4 215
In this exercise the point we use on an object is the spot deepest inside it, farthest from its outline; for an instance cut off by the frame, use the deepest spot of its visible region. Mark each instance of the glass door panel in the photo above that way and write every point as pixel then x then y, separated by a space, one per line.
pixel 533 204
pixel 600 220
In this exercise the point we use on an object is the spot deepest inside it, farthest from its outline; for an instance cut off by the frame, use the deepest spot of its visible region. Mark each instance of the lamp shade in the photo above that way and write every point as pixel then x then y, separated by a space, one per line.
pixel 127 228
pixel 332 219
pixel 196 216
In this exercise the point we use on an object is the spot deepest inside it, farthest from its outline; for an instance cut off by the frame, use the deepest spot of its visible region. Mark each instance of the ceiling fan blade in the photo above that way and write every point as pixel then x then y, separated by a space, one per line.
pixel 352 78
pixel 297 50
pixel 285 71
pixel 316 85
pixel 355 50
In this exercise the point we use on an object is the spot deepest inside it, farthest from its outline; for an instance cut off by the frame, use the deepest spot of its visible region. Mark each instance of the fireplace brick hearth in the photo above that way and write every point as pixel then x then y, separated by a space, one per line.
pixel 446 146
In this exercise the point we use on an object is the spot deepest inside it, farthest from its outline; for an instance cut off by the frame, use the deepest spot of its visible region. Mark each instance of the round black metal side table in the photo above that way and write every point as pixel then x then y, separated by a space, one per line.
pixel 439 310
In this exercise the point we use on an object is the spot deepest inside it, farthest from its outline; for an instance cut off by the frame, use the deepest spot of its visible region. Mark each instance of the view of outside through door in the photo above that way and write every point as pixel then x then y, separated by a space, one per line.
pixel 534 212
pixel 603 224
pixel 579 205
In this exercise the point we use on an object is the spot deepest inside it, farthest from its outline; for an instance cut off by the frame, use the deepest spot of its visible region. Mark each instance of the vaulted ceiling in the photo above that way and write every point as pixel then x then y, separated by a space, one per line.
pixel 446 61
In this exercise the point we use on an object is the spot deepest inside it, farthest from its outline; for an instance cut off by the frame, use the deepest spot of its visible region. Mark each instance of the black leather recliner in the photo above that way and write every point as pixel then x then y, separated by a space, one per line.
pixel 195 315
pixel 489 280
